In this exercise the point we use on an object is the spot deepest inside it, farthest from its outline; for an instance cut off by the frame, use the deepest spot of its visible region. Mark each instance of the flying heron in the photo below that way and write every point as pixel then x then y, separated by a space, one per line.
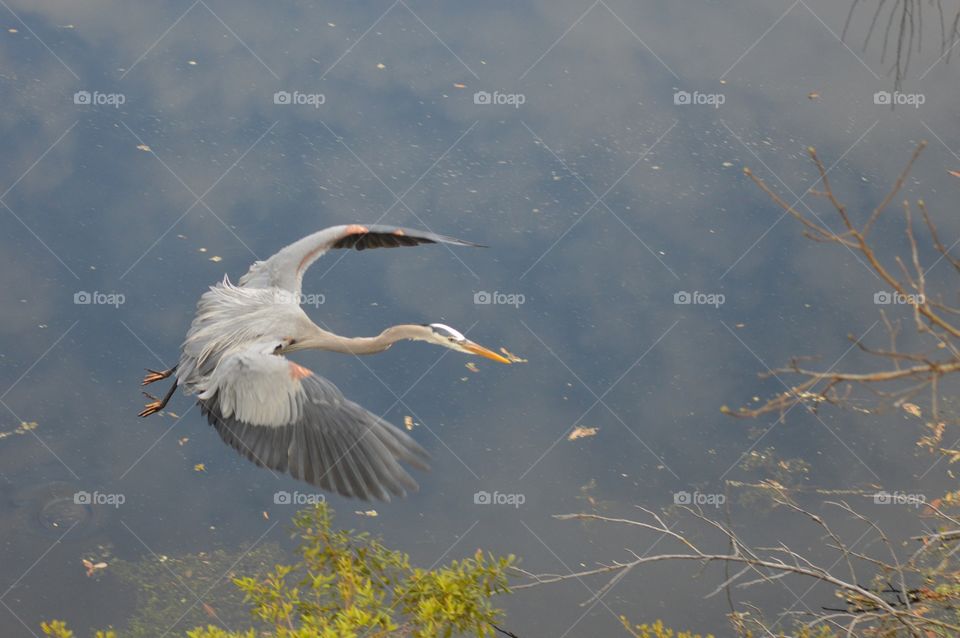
pixel 279 414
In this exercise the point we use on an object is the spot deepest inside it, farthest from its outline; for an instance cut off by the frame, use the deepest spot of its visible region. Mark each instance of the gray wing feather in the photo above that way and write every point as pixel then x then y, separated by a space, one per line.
pixel 285 269
pixel 308 428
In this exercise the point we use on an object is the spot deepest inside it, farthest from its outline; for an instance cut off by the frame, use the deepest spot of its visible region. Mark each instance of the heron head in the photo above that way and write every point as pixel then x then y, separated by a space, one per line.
pixel 444 335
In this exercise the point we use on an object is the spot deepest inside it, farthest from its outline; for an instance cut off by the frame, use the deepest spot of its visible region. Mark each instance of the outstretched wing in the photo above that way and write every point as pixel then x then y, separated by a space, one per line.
pixel 285 269
pixel 283 416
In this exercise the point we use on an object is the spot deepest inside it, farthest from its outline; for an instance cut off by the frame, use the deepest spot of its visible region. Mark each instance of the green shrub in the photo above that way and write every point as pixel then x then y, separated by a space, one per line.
pixel 347 584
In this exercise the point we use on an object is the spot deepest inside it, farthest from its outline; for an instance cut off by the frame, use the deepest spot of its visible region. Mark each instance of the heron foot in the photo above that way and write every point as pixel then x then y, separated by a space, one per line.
pixel 156 404
pixel 151 408
pixel 153 376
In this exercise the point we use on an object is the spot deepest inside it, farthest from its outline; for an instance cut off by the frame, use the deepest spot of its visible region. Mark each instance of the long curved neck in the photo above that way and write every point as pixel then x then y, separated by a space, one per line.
pixel 324 340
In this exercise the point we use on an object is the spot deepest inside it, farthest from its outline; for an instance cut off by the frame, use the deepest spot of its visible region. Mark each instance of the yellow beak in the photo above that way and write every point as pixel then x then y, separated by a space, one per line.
pixel 483 352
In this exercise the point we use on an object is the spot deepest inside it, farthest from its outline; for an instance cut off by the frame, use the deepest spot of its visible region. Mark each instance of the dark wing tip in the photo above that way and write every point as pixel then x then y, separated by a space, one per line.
pixel 364 236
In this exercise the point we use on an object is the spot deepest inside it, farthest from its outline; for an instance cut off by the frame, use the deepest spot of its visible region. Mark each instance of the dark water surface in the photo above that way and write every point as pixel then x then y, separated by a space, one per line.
pixel 599 196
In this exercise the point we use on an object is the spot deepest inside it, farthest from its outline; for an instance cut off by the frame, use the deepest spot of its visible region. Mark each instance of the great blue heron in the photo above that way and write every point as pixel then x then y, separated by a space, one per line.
pixel 279 414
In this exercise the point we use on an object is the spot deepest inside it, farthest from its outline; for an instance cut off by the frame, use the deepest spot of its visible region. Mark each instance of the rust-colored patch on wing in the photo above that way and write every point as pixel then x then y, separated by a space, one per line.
pixel 399 232
pixel 357 229
pixel 298 372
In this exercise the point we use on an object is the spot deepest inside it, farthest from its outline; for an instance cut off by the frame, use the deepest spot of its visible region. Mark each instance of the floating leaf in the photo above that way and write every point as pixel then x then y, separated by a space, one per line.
pixel 513 358
pixel 370 513
pixel 199 467
pixel 216 258
pixel 92 567
pixel 408 422
pixel 912 408
pixel 144 148
pixel 580 432
pixel 23 428
pixel 472 367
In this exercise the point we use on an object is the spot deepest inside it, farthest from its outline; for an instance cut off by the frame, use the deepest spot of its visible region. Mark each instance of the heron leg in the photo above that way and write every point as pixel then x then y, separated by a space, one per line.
pixel 153 375
pixel 157 404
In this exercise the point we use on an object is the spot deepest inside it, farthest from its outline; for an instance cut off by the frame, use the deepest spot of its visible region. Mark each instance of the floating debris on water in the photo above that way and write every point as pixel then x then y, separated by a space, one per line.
pixel 580 432
pixel 92 568
pixel 23 428
pixel 513 358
